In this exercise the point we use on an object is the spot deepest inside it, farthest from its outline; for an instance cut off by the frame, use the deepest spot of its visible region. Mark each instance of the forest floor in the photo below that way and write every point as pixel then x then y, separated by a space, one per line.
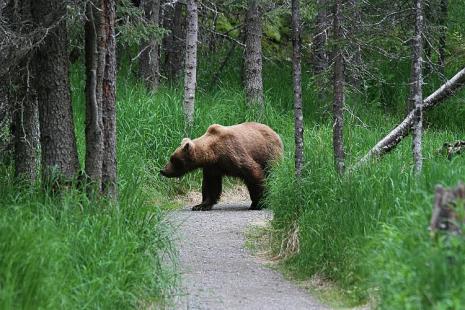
pixel 217 269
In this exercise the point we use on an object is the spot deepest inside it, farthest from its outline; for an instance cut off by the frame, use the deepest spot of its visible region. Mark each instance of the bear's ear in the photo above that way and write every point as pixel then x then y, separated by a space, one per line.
pixel 187 146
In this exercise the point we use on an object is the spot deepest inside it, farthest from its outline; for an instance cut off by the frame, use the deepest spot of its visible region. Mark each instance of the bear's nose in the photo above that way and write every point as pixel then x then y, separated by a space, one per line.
pixel 162 173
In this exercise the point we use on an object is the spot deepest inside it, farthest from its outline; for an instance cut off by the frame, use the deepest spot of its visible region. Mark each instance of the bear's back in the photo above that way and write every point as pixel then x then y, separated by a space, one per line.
pixel 251 139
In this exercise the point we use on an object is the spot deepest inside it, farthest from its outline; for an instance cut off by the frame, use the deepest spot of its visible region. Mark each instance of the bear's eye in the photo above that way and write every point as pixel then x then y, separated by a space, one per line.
pixel 177 163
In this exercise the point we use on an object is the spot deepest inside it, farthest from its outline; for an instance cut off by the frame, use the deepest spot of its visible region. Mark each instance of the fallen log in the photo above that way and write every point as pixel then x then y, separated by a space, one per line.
pixel 393 138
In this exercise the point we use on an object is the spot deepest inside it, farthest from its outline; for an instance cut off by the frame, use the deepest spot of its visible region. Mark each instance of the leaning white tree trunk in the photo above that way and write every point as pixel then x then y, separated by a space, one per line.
pixel 190 78
pixel 416 87
pixel 401 131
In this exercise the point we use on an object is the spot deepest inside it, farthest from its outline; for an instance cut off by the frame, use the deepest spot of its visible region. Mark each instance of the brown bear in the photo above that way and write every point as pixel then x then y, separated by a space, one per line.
pixel 245 151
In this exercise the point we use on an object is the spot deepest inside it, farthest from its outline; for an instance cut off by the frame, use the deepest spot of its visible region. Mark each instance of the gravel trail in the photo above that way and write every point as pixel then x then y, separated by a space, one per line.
pixel 219 273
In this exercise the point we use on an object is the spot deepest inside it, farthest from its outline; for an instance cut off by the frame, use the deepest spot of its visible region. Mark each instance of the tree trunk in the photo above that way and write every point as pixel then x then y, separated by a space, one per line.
pixel 23 98
pixel 58 142
pixel 338 102
pixel 94 69
pixel 353 75
pixel 319 56
pixel 448 210
pixel 174 20
pixel 443 35
pixel 393 138
pixel 149 65
pixel 298 113
pixel 253 54
pixel 417 83
pixel 25 124
pixel 109 167
pixel 190 79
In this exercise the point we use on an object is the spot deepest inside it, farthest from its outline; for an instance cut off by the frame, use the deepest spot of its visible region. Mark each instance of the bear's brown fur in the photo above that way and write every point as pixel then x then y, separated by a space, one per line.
pixel 245 151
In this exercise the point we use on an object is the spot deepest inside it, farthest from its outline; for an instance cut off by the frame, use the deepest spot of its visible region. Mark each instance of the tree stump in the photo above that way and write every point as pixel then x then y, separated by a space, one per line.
pixel 449 210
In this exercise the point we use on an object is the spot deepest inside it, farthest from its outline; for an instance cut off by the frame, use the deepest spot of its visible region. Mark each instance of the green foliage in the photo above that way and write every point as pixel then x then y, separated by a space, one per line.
pixel 415 271
pixel 369 229
pixel 133 28
pixel 224 25
pixel 71 252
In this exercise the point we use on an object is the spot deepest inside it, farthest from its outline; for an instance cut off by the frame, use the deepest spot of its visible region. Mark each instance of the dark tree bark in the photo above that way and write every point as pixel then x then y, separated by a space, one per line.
pixel 109 168
pixel 443 35
pixel 173 44
pixel 338 101
pixel 253 54
pixel 393 138
pixel 22 97
pixel 58 142
pixel 94 35
pixel 100 96
pixel 298 113
pixel 319 56
pixel 416 86
pixel 149 65
pixel 25 124
pixel 190 79
pixel 353 73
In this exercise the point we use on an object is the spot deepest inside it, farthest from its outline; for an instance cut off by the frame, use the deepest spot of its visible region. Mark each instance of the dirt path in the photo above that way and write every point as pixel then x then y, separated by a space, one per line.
pixel 219 273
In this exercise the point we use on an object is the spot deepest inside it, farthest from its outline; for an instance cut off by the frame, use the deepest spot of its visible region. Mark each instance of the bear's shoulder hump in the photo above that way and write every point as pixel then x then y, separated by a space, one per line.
pixel 215 129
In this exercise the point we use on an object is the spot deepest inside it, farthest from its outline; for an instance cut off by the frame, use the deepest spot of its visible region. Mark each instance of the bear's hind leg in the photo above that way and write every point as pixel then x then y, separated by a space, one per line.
pixel 256 195
pixel 211 190
pixel 254 179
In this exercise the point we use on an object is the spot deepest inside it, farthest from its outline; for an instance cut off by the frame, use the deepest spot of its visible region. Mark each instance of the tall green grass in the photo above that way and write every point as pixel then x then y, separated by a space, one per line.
pixel 368 230
pixel 72 252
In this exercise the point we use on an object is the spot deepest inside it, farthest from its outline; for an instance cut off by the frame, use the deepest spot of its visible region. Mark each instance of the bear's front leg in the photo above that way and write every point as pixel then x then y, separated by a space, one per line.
pixel 211 190
pixel 202 207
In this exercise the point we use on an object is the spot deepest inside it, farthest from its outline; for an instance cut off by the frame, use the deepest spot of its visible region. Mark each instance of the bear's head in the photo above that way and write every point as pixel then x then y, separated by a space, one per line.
pixel 181 161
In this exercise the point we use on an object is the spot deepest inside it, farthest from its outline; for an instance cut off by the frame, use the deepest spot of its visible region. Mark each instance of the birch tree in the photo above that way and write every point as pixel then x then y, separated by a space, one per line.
pixel 190 78
pixel 296 69
pixel 416 86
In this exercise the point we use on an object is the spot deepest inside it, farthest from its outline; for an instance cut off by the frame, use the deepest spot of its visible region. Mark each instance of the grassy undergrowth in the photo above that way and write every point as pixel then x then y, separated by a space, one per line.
pixel 70 252
pixel 368 230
